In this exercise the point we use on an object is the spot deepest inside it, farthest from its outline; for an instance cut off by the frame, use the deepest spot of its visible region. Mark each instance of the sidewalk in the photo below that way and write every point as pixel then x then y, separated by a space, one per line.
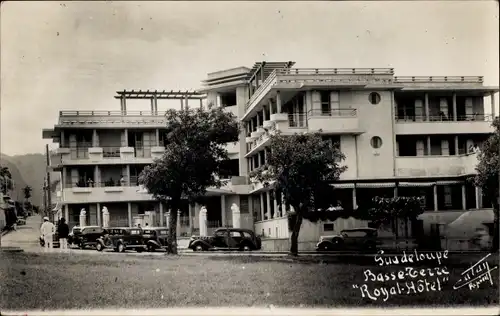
pixel 26 236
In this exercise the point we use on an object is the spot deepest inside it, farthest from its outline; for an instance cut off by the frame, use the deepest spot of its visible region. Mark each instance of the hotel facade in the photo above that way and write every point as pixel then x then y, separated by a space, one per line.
pixel 402 136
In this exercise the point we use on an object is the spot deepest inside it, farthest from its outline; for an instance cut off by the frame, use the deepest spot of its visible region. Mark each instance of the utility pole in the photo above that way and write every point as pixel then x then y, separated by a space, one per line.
pixel 44 196
pixel 49 197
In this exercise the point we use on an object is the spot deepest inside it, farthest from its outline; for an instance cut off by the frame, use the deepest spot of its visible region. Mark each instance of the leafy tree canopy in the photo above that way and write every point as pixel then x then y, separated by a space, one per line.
pixel 488 166
pixel 27 191
pixel 194 155
pixel 301 167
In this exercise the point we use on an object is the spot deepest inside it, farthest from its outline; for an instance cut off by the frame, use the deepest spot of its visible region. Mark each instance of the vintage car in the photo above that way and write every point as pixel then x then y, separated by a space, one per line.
pixel 155 238
pixel 121 239
pixel 227 239
pixel 55 241
pixel 350 239
pixel 85 236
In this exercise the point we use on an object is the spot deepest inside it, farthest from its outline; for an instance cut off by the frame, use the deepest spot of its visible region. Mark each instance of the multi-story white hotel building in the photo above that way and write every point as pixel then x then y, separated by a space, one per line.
pixel 400 135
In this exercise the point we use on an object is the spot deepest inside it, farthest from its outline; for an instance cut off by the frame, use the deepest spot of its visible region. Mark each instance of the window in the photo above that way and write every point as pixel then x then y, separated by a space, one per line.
pixel 163 232
pixel 134 232
pixel 376 142
pixel 235 234
pixel 247 235
pixel 355 233
pixel 325 102
pixel 220 233
pixel 328 227
pixel 374 98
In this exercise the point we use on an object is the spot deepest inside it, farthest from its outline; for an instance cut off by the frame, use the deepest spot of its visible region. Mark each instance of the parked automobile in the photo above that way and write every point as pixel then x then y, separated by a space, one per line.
pixel 350 239
pixel 227 239
pixel 155 238
pixel 121 239
pixel 85 236
pixel 55 241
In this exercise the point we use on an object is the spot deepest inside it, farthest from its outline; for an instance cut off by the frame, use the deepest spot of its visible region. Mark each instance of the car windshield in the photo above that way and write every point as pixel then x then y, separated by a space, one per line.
pixel 163 232
pixel 149 232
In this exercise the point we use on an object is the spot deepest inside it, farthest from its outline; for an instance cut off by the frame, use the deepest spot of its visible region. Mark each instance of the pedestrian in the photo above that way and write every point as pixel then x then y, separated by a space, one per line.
pixel 48 230
pixel 63 231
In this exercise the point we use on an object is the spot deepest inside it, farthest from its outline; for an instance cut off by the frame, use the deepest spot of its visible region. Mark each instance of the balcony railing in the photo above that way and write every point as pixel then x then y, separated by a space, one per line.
pixel 111 151
pixel 333 112
pixel 446 118
pixel 440 79
pixel 316 71
pixel 134 180
pixel 297 120
pixel 111 113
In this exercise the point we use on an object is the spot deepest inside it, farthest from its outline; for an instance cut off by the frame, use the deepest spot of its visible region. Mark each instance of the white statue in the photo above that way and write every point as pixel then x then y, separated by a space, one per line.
pixel 83 218
pixel 203 221
pixel 236 216
pixel 83 212
pixel 105 217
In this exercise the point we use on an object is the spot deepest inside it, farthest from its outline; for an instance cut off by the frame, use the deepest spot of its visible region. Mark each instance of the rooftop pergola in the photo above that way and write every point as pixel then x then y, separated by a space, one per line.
pixel 261 70
pixel 183 96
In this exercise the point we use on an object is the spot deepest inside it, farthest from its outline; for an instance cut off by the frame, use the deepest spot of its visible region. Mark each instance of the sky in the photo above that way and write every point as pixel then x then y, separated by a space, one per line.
pixel 76 55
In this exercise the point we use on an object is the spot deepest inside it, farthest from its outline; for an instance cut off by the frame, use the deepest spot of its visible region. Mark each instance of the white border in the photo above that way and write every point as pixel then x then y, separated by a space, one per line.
pixel 269 311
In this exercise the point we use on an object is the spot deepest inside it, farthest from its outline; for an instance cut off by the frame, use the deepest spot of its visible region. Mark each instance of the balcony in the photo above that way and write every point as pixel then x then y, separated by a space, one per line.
pixel 424 82
pixel 465 124
pixel 434 166
pixel 335 121
pixel 112 119
pixel 107 155
pixel 300 78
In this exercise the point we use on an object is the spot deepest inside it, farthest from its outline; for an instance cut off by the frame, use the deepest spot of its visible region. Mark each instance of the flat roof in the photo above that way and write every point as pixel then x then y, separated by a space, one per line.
pixel 175 95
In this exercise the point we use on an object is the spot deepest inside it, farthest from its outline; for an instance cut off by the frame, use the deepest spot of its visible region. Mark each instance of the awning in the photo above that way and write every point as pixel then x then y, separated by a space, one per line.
pixel 448 182
pixel 376 185
pixel 416 184
pixel 343 185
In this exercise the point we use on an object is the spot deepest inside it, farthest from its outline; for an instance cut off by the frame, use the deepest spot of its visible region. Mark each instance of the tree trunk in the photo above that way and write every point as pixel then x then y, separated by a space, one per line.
pixel 172 231
pixel 294 238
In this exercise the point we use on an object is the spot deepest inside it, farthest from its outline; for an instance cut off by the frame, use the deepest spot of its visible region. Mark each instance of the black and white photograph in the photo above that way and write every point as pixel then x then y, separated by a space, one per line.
pixel 249 158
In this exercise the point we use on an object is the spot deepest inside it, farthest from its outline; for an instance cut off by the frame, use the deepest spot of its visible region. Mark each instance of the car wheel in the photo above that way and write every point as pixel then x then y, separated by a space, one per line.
pixel 246 248
pixel 121 248
pixel 139 249
pixel 99 247
pixel 82 245
pixel 199 248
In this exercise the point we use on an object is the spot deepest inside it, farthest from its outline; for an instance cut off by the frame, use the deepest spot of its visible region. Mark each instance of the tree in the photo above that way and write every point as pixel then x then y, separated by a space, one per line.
pixel 5 180
pixel 488 175
pixel 387 211
pixel 301 167
pixel 27 192
pixel 194 156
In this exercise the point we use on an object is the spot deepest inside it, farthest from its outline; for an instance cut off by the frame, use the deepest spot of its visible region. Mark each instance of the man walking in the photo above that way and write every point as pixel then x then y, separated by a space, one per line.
pixel 63 231
pixel 48 230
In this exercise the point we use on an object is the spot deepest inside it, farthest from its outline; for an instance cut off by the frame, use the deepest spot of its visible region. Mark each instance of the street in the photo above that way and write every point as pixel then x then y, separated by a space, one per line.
pixel 89 279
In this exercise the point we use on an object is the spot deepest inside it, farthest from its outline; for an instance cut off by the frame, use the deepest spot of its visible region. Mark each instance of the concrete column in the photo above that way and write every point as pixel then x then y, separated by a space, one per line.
pixel 259 123
pixel 187 102
pixel 236 216
pixel 129 209
pixel 264 116
pixel 157 137
pixel 435 198
pixel 128 175
pixel 478 197
pixel 178 226
pixel 97 179
pixel 275 206
pixel 63 177
pixel 492 95
pixel 456 146
pixel 219 103
pixel 182 104
pixel 63 140
pixel 201 104
pixel 152 106
pixel 169 212
pixel 283 206
pixel 161 214
pixel 66 213
pixel 395 191
pixel 250 205
pixel 99 221
pixel 261 205
pixel 354 198
pixel 105 217
pixel 426 105
pixel 454 102
pixel 278 102
pixel 94 138
pixel 126 137
pixel 191 217
pixel 464 198
pixel 268 202
pixel 203 222
pixel 83 218
pixel 223 210
pixel 270 107
pixel 429 151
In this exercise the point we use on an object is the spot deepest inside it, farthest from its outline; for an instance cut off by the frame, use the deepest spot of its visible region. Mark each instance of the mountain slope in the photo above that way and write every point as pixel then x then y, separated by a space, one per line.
pixel 26 170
